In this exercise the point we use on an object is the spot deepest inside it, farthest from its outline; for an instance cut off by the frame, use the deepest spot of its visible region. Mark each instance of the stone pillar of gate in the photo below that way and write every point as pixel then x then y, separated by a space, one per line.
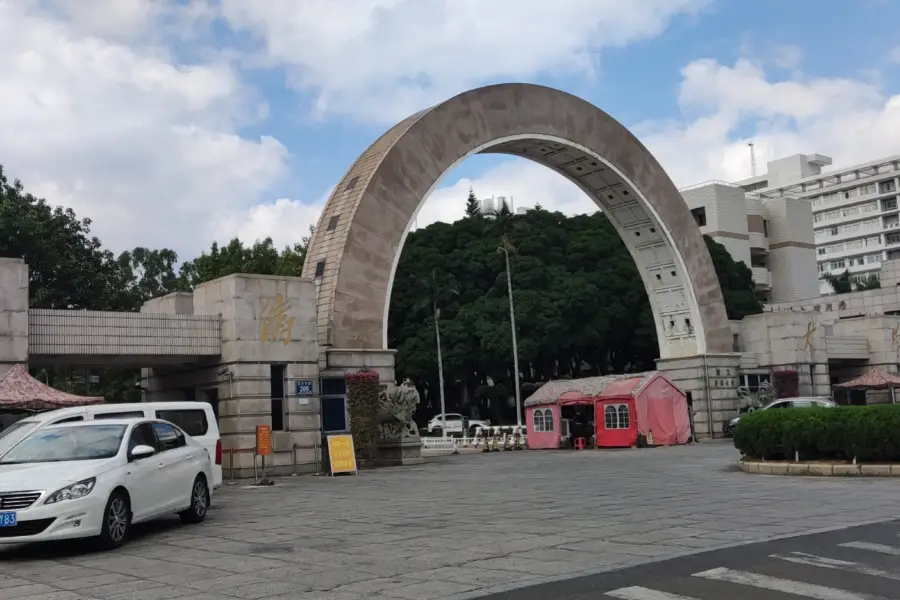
pixel 13 313
pixel 338 362
pixel 711 380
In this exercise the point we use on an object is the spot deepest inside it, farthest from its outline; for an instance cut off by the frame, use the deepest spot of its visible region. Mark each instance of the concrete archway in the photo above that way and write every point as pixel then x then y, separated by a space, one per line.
pixel 356 245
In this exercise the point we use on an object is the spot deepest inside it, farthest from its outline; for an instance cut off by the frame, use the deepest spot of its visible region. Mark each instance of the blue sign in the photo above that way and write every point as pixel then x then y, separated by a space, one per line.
pixel 304 387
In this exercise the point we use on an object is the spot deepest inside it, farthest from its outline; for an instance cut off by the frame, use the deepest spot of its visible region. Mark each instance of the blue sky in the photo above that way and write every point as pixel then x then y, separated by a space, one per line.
pixel 176 122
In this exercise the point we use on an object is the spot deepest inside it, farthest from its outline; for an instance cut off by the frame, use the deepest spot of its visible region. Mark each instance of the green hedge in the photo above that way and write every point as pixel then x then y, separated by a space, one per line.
pixel 866 433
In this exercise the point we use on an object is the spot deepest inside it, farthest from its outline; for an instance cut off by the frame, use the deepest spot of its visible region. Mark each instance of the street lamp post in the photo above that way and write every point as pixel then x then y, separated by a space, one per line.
pixel 512 320
pixel 437 334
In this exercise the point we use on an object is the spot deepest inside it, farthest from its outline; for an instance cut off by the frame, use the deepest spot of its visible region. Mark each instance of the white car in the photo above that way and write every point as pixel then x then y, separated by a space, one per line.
pixel 94 479
pixel 455 425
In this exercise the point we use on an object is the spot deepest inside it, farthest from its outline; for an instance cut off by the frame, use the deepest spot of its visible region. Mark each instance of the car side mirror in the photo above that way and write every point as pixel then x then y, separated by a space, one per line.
pixel 142 451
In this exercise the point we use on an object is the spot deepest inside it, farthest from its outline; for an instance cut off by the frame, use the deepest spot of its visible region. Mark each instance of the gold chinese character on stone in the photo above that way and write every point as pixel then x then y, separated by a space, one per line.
pixel 275 323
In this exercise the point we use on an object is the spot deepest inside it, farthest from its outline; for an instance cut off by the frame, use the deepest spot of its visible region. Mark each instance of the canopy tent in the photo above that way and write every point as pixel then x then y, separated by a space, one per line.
pixel 19 390
pixel 875 379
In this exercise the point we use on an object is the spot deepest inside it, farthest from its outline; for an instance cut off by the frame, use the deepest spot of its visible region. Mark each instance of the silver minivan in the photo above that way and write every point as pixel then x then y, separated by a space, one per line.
pixel 196 419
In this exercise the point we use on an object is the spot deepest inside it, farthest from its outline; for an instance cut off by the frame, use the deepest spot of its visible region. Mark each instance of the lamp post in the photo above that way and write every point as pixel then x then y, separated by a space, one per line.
pixel 437 334
pixel 505 247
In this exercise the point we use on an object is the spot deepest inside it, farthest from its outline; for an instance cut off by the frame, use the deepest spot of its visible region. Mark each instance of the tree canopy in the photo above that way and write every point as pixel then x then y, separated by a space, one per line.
pixel 581 307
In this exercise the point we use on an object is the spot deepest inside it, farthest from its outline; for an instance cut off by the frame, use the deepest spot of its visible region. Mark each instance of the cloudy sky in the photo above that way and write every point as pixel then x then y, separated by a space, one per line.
pixel 177 122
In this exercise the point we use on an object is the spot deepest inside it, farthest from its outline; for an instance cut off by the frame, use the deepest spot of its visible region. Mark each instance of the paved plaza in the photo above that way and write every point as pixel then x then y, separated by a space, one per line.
pixel 456 527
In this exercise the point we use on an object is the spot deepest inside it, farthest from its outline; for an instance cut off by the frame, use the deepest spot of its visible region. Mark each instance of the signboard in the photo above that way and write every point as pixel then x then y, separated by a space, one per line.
pixel 341 455
pixel 263 440
pixel 303 387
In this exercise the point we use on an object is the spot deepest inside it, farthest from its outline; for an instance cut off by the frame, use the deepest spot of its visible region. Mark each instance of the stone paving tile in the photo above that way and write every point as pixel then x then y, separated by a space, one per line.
pixel 448 528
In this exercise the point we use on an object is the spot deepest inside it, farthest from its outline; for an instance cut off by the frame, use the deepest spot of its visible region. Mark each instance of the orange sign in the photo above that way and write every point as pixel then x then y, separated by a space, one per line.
pixel 263 440
pixel 341 454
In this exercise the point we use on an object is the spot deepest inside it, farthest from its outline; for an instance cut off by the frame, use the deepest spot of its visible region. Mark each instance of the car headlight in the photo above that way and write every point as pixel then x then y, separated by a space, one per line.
pixel 72 492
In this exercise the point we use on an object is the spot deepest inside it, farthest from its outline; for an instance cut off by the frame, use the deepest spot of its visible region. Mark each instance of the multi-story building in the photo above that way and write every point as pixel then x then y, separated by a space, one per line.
pixel 854 210
pixel 772 236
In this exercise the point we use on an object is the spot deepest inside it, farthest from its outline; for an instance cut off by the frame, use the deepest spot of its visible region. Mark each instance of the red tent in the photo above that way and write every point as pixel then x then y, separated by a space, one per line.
pixel 19 390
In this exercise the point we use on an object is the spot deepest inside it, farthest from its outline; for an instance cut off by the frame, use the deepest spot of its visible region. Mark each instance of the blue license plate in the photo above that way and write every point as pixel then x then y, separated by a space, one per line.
pixel 8 519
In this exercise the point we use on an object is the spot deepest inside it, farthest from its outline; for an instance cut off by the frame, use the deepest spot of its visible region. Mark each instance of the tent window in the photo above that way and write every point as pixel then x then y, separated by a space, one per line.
pixel 617 416
pixel 611 417
pixel 538 420
pixel 548 420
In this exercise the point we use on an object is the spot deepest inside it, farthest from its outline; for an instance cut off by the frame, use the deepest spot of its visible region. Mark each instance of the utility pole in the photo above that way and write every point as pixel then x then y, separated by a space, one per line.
pixel 504 247
pixel 437 334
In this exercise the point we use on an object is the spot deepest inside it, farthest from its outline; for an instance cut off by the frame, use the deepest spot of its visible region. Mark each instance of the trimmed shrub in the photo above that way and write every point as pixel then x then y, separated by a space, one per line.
pixel 362 395
pixel 866 433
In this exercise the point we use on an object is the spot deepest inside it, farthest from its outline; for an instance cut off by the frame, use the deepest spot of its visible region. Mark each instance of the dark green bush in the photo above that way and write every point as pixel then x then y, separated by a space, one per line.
pixel 867 433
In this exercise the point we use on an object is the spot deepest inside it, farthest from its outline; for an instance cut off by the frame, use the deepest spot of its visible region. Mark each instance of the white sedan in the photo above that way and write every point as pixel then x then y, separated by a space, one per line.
pixel 94 479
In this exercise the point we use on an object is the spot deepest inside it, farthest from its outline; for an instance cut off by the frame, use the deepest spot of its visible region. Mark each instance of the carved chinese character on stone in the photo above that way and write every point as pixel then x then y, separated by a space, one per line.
pixel 842 305
pixel 828 306
pixel 275 324
pixel 817 308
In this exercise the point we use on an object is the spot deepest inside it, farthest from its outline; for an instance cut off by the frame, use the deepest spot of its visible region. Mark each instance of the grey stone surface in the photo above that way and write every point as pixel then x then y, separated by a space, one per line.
pixel 457 527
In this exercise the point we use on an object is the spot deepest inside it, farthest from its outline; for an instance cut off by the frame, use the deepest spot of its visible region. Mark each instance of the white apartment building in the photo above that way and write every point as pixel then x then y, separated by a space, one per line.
pixel 492 204
pixel 772 236
pixel 854 210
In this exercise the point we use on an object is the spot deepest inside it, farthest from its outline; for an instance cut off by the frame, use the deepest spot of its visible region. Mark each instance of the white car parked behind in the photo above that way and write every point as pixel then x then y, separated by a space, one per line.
pixel 94 479
pixel 455 425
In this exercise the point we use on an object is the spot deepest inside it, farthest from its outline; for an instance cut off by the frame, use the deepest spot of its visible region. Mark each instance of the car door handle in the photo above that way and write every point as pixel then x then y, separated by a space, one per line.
pixel 161 466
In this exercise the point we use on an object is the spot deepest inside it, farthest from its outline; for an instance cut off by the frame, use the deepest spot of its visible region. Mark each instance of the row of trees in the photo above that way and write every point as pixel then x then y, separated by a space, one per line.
pixel 581 307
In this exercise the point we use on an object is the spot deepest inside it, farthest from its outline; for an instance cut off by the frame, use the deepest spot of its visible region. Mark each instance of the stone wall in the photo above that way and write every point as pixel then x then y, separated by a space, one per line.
pixel 13 313
pixel 712 383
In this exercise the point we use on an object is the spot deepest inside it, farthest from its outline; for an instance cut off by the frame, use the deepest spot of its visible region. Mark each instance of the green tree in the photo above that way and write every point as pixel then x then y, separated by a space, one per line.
pixel 841 284
pixel 473 208
pixel 736 281
pixel 871 282
pixel 581 307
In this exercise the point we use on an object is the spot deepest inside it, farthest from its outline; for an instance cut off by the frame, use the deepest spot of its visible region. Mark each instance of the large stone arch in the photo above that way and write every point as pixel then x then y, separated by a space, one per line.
pixel 356 245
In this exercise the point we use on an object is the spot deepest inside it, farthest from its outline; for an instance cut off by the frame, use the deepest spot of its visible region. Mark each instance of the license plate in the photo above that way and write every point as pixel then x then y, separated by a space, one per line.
pixel 8 519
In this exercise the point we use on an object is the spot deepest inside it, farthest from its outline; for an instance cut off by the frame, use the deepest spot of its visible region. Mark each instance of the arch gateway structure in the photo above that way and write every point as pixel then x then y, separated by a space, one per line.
pixel 356 246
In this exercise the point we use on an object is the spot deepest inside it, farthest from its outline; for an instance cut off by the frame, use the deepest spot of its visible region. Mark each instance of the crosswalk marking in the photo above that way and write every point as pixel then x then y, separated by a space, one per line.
pixel 882 548
pixel 641 593
pixel 812 560
pixel 787 586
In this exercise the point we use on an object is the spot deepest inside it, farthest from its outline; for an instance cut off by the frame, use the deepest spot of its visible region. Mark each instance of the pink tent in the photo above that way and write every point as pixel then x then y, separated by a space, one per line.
pixel 660 406
pixel 19 390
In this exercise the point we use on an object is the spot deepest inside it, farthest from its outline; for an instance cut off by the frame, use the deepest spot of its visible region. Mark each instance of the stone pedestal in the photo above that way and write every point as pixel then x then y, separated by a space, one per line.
pixel 711 381
pixel 399 451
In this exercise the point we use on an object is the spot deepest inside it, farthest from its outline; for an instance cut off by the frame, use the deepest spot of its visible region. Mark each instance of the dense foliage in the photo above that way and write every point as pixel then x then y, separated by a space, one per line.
pixel 580 305
pixel 844 283
pixel 362 405
pixel 864 433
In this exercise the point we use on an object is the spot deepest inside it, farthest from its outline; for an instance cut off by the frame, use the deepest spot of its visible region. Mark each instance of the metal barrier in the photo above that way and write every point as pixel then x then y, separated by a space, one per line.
pixel 256 466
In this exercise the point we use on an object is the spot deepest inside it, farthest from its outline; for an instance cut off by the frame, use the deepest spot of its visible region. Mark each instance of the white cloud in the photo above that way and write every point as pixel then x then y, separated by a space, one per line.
pixel 787 57
pixel 894 55
pixel 124 133
pixel 382 60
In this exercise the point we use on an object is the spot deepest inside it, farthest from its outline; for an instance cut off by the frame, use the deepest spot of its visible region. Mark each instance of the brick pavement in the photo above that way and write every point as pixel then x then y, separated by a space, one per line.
pixel 456 527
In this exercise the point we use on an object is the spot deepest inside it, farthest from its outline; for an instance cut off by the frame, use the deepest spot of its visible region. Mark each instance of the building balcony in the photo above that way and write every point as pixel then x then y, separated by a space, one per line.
pixel 762 278
pixel 759 243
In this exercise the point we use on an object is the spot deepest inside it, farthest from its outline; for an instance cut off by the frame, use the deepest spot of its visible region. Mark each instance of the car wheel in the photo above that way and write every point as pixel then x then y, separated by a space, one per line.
pixel 116 521
pixel 199 503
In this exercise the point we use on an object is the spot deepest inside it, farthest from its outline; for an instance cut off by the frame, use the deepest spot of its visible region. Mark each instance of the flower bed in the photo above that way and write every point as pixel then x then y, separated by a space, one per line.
pixel 852 433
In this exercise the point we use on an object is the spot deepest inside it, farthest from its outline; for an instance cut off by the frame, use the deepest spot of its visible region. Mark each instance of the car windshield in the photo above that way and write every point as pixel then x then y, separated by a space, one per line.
pixel 19 427
pixel 55 444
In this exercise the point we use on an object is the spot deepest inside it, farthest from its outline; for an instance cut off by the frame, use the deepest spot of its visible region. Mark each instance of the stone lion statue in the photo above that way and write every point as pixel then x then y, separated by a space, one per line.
pixel 396 409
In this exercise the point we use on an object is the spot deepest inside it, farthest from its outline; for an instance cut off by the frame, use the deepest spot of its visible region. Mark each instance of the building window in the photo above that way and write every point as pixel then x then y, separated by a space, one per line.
pixel 320 268
pixel 889 204
pixel 886 186
pixel 276 397
pixel 753 382
pixel 352 184
pixel 333 223
pixel 699 216
pixel 766 227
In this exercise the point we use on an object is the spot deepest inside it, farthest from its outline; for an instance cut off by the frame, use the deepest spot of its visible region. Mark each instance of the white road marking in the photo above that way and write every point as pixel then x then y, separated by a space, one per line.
pixel 787 586
pixel 830 563
pixel 882 548
pixel 641 593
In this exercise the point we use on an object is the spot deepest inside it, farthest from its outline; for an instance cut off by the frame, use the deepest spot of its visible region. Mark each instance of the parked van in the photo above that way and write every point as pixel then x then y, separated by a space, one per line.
pixel 197 419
